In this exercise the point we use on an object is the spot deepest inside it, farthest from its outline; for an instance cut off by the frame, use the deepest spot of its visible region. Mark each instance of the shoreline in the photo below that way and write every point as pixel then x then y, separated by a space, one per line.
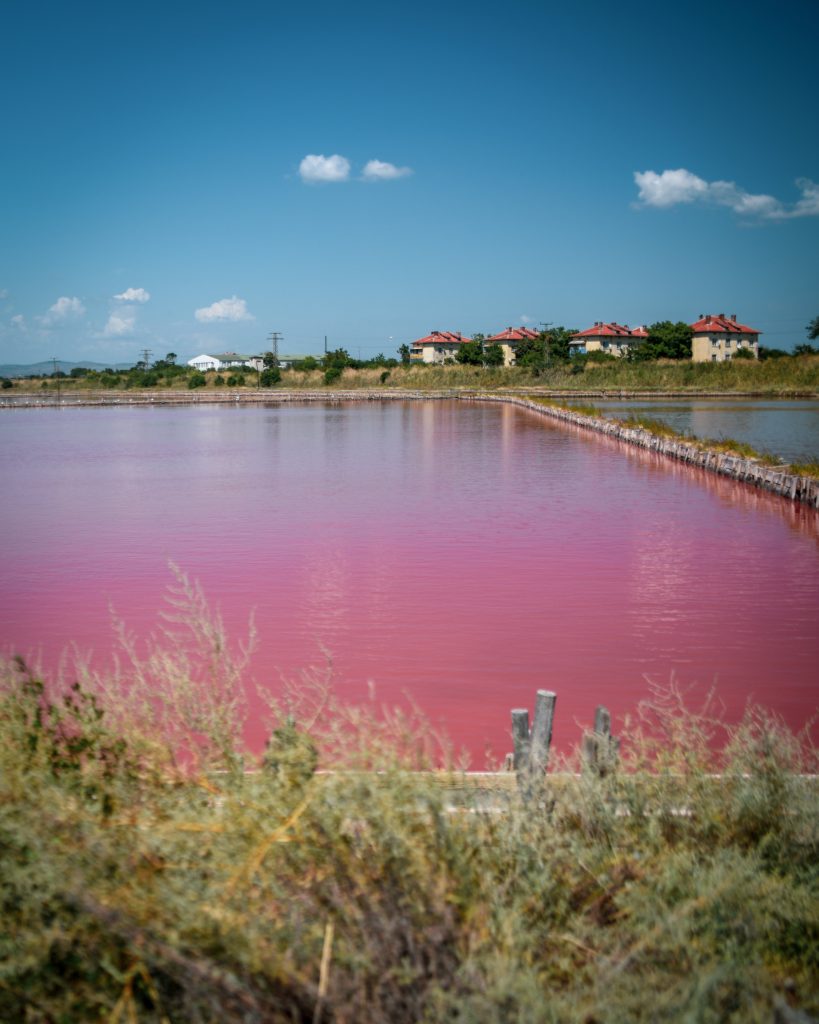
pixel 774 479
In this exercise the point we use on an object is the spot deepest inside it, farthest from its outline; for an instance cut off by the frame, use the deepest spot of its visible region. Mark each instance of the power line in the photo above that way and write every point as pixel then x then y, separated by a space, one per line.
pixel 274 338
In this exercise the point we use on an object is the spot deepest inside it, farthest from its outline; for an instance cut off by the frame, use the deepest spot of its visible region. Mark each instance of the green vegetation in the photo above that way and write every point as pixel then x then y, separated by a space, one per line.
pixel 147 877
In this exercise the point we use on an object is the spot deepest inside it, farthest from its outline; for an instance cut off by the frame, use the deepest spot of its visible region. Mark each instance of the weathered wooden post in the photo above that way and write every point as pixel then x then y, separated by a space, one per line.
pixel 532 745
pixel 541 738
pixel 599 748
pixel 521 739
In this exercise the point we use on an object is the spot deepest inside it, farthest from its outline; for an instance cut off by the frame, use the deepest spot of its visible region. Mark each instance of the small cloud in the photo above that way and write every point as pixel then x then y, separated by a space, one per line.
pixel 224 309
pixel 63 309
pixel 133 295
pixel 378 170
pixel 119 324
pixel 4 293
pixel 19 321
pixel 672 187
pixel 317 168
pixel 524 319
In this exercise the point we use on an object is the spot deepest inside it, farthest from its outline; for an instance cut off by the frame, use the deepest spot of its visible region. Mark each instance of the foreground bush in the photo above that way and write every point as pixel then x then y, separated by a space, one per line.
pixel 146 875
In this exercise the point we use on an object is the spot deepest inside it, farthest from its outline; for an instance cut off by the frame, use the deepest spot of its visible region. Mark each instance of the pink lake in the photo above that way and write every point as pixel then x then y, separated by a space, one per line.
pixel 464 554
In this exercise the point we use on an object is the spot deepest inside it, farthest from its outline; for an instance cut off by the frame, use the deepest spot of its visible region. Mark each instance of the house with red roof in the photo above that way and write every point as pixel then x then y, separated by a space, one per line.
pixel 718 338
pixel 436 347
pixel 509 341
pixel 615 339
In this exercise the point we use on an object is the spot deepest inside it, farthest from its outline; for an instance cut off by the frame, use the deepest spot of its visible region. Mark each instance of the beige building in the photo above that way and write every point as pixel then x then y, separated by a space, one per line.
pixel 436 347
pixel 717 339
pixel 509 341
pixel 614 339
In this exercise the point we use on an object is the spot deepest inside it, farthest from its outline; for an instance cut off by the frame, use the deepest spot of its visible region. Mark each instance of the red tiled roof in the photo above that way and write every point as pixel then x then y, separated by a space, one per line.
pixel 440 338
pixel 612 330
pixel 514 334
pixel 721 324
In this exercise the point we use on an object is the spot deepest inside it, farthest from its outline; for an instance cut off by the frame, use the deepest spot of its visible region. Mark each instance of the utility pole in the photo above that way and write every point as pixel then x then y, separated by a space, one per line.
pixel 57 377
pixel 274 338
pixel 146 356
pixel 325 344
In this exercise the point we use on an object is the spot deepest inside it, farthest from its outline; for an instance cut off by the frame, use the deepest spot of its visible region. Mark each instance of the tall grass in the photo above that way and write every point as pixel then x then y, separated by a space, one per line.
pixel 138 885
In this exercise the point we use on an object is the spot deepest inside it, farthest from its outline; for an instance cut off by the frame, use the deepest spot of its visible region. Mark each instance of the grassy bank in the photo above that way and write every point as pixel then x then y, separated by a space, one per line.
pixel 639 421
pixel 147 876
pixel 771 377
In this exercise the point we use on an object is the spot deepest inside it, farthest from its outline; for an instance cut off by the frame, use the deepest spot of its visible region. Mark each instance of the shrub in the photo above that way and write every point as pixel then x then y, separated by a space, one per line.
pixel 332 374
pixel 272 375
pixel 219 379
pixel 197 380
pixel 6 384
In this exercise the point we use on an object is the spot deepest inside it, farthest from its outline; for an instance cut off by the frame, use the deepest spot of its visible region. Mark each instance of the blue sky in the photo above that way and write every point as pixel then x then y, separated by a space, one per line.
pixel 494 164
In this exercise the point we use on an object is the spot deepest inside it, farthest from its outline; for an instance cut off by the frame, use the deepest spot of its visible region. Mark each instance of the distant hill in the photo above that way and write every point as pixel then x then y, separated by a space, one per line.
pixel 46 367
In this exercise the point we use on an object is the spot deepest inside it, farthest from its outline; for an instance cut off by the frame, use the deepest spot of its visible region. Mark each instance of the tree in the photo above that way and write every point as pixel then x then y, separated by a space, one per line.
pixel 170 358
pixel 666 340
pixel 803 349
pixel 493 355
pixel 270 360
pixel 531 352
pixel 338 358
pixel 556 344
pixel 270 376
pixel 404 353
pixel 813 329
pixel 470 353
pixel 196 380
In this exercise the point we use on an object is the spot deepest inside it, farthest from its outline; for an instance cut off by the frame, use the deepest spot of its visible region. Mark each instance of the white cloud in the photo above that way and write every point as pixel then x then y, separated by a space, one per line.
pixel 524 319
pixel 315 168
pixel 4 293
pixel 133 295
pixel 119 324
pixel 378 170
pixel 224 309
pixel 62 309
pixel 671 188
pixel 19 321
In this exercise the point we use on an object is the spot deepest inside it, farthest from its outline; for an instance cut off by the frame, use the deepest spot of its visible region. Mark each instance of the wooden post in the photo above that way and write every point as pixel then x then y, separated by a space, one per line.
pixel 602 721
pixel 520 736
pixel 599 748
pixel 542 729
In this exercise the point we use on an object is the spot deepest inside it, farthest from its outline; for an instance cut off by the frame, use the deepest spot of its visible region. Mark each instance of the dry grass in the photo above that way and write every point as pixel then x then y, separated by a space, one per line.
pixel 138 884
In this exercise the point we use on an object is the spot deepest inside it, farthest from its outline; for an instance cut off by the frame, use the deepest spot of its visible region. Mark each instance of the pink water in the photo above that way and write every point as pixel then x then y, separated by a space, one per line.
pixel 464 554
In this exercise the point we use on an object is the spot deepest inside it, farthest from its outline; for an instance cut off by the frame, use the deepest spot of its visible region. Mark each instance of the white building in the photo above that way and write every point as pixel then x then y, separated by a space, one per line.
pixel 225 361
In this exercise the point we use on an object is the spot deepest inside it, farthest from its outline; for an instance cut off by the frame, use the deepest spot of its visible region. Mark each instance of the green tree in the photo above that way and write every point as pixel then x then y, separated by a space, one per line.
pixel 470 353
pixel 493 355
pixel 556 344
pixel 307 364
pixel 803 349
pixel 196 380
pixel 666 340
pixel 404 353
pixel 813 329
pixel 338 358
pixel 270 360
pixel 171 358
pixel 531 353
pixel 270 376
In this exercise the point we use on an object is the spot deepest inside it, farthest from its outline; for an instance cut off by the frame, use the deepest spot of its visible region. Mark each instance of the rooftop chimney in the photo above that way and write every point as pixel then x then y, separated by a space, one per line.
pixel 734 317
